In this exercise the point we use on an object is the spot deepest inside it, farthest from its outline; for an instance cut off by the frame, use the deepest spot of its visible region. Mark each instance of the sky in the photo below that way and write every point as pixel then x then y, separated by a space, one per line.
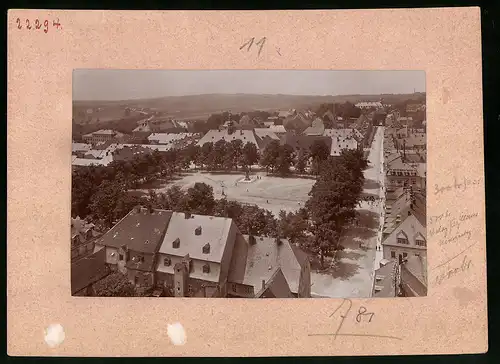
pixel 100 84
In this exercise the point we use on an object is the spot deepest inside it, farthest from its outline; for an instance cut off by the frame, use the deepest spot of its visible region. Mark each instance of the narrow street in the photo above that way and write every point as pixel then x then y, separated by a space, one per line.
pixel 354 273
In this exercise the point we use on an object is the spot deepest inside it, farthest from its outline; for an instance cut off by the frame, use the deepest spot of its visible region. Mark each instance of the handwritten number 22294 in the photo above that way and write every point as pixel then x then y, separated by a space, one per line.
pixel 38 24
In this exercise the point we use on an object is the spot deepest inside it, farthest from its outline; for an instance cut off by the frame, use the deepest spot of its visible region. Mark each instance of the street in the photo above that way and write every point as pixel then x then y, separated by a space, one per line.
pixel 354 273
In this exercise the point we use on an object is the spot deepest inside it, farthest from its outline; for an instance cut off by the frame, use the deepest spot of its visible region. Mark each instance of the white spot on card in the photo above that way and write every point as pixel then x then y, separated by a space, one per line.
pixel 176 333
pixel 54 335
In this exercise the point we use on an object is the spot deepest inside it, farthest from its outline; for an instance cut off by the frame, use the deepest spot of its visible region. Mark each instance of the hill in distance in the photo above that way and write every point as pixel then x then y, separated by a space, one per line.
pixel 201 106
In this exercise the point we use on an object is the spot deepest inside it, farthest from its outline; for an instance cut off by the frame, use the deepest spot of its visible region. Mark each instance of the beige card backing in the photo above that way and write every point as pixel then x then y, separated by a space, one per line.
pixel 445 43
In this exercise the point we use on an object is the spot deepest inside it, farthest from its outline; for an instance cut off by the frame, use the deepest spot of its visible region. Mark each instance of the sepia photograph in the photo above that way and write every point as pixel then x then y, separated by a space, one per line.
pixel 248 183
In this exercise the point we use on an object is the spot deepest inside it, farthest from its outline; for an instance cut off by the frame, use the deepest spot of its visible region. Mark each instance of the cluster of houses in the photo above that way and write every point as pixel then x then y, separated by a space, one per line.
pixel 403 270
pixel 178 254
pixel 299 129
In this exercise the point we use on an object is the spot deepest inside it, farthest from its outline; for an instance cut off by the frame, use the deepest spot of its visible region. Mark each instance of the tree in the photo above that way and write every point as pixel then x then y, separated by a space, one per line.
pixel 319 152
pixel 256 221
pixel 104 202
pixel 199 199
pixel 172 199
pixel 332 203
pixel 270 155
pixel 205 152
pixel 250 155
pixel 301 161
pixel 235 152
pixel 355 161
pixel 285 159
pixel 293 226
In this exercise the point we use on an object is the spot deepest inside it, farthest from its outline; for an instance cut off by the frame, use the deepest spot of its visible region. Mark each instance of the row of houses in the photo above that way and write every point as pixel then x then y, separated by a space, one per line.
pixel 185 255
pixel 335 139
pixel 403 270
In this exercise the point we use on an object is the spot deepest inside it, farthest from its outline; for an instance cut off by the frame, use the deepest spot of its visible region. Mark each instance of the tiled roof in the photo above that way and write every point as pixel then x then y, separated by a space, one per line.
pixel 80 147
pixel 262 259
pixel 275 287
pixel 214 231
pixel 339 144
pixel 277 128
pixel 417 266
pixel 410 228
pixel 317 128
pixel 141 231
pixel 88 270
pixel 384 285
pixel 168 138
pixel 298 122
pixel 214 136
pixel 266 132
pixel 304 141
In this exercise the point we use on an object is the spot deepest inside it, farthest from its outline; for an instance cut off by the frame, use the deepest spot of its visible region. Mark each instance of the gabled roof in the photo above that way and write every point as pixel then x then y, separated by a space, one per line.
pixel 266 132
pixel 140 230
pixel 215 135
pixel 214 231
pixel 260 261
pixel 80 147
pixel 298 122
pixel 88 270
pixel 317 128
pixel 417 266
pixel 275 287
pixel 304 141
pixel 411 227
pixel 339 144
pixel 384 285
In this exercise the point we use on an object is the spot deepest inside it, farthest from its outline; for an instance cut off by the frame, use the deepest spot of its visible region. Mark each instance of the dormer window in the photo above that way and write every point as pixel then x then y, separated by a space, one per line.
pixel 206 248
pixel 176 243
pixel 206 268
pixel 197 231
pixel 167 262
pixel 403 241
pixel 420 242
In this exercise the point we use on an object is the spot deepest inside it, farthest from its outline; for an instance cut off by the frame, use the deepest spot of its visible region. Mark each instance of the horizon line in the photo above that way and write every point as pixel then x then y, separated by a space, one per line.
pixel 242 94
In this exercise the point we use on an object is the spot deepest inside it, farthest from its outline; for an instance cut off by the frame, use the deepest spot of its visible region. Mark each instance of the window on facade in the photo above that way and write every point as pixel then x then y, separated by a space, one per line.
pixel 167 262
pixel 402 241
pixel 420 242
pixel 417 255
pixel 405 255
pixel 393 254
pixel 120 257
pixel 206 268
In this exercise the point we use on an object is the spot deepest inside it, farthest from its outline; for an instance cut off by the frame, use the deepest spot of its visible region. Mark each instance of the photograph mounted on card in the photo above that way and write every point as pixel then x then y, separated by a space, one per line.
pixel 290 193
pixel 249 184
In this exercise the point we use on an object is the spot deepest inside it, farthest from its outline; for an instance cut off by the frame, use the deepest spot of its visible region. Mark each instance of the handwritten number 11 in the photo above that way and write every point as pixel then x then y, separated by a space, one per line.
pixel 250 42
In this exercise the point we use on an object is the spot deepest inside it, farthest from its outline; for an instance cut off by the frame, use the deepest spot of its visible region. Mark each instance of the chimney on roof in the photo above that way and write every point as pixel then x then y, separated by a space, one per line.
pixel 197 231
pixel 206 248
pixel 278 240
pixel 251 240
pixel 187 215
pixel 263 284
pixel 176 243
